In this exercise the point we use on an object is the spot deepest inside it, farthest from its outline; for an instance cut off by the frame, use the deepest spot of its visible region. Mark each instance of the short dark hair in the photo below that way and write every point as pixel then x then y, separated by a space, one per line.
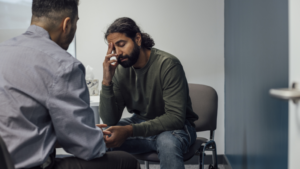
pixel 130 29
pixel 52 9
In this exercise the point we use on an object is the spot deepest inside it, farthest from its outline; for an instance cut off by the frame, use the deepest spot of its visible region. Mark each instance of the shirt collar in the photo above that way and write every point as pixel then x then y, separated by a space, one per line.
pixel 38 30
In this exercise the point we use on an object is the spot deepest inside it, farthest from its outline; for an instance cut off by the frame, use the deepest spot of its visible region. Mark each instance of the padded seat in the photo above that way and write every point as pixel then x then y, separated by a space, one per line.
pixel 205 105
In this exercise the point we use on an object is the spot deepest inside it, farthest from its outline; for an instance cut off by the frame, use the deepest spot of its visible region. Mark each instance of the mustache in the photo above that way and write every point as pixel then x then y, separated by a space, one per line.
pixel 123 57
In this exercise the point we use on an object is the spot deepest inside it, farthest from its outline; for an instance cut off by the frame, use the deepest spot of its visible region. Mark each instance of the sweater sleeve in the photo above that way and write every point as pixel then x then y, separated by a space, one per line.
pixel 111 104
pixel 174 86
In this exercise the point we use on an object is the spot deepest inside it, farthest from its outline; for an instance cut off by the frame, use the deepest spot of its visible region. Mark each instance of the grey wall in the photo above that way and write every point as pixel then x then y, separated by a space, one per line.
pixel 256 59
pixel 15 18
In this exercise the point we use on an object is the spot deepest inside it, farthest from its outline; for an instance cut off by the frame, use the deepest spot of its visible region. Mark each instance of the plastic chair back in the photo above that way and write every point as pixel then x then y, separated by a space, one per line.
pixel 205 105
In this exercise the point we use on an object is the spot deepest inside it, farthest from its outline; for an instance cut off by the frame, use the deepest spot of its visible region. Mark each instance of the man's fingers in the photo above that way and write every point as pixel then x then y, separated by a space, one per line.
pixel 101 125
pixel 109 139
pixel 109 129
pixel 114 65
pixel 109 142
pixel 110 48
pixel 105 137
pixel 106 132
pixel 107 57
pixel 112 61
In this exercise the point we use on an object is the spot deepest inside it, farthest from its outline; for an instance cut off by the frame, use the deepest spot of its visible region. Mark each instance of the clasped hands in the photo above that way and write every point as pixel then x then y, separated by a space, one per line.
pixel 118 134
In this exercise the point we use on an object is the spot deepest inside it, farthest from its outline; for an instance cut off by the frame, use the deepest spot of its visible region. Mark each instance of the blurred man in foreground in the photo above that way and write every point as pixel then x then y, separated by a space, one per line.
pixel 44 98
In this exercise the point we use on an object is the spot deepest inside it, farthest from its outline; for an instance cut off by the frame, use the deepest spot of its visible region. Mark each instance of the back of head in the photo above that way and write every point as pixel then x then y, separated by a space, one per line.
pixel 130 29
pixel 51 12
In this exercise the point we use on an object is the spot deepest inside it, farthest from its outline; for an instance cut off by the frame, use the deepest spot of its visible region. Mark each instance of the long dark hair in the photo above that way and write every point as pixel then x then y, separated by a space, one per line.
pixel 130 29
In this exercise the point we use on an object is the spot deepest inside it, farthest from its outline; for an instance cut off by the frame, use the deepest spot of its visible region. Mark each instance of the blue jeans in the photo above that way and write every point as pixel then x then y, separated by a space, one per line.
pixel 170 145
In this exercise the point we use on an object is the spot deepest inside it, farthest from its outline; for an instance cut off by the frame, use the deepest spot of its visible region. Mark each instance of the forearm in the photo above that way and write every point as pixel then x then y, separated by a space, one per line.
pixel 166 122
pixel 110 109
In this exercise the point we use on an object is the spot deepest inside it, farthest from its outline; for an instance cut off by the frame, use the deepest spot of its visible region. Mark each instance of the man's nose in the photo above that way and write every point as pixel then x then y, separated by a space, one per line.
pixel 117 51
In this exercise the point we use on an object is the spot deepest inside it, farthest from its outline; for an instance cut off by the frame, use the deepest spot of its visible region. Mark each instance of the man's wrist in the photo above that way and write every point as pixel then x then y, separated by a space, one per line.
pixel 130 130
pixel 106 83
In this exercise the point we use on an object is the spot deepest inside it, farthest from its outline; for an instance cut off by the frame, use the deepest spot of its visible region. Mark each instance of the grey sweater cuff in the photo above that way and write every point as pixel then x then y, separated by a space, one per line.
pixel 107 90
pixel 137 130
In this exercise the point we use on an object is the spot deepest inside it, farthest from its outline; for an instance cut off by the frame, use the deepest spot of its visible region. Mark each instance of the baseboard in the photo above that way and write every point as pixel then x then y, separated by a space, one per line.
pixel 227 164
pixel 222 160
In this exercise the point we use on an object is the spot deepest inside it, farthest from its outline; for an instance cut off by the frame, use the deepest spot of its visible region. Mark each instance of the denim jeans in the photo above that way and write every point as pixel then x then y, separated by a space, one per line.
pixel 170 145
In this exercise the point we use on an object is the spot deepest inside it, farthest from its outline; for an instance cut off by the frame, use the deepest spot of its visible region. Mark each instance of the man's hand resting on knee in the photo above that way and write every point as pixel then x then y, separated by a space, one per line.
pixel 118 135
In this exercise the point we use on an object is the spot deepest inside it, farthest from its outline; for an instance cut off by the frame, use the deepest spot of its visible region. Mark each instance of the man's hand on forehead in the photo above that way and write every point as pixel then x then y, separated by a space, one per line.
pixel 109 65
pixel 116 54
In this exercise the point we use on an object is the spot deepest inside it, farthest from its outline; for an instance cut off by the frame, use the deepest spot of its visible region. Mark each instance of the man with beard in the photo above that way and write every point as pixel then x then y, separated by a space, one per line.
pixel 152 85
pixel 44 98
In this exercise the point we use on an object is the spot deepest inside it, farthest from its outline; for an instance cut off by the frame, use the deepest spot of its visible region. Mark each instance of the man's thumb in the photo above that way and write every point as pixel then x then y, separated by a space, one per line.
pixel 110 129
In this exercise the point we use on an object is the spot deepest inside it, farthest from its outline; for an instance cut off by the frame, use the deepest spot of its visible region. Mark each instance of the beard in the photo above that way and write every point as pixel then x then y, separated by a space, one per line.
pixel 131 59
pixel 69 38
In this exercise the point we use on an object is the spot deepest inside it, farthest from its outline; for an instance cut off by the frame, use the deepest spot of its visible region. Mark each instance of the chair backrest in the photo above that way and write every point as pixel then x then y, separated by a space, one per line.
pixel 5 159
pixel 205 105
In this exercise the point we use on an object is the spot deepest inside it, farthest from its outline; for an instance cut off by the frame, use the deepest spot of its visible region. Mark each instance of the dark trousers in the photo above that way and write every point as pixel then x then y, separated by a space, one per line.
pixel 111 160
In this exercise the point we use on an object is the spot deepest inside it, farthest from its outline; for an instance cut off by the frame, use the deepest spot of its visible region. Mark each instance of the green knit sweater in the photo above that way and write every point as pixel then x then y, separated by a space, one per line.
pixel 157 93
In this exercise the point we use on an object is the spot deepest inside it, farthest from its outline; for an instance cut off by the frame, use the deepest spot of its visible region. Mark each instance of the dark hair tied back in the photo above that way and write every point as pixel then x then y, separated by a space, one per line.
pixel 130 29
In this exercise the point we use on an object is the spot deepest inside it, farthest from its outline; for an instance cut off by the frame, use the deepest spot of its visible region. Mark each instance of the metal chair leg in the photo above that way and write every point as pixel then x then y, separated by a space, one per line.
pixel 215 157
pixel 146 164
pixel 201 159
pixel 209 146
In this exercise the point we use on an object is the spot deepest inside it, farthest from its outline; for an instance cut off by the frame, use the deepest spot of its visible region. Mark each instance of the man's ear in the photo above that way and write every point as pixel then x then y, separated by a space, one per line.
pixel 66 24
pixel 138 39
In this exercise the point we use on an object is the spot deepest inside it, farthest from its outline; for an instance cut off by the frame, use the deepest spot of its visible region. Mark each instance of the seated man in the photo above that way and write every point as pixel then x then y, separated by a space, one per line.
pixel 152 85
pixel 44 98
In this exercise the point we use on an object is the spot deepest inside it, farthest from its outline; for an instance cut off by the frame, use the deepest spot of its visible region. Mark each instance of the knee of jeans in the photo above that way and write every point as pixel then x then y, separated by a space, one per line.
pixel 124 122
pixel 173 141
pixel 166 142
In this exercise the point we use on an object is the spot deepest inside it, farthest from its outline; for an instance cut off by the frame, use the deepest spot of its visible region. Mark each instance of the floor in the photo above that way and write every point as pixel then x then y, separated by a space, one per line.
pixel 154 166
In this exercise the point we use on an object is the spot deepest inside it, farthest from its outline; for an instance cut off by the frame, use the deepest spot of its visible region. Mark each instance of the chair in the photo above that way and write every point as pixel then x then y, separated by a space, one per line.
pixel 5 159
pixel 205 105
